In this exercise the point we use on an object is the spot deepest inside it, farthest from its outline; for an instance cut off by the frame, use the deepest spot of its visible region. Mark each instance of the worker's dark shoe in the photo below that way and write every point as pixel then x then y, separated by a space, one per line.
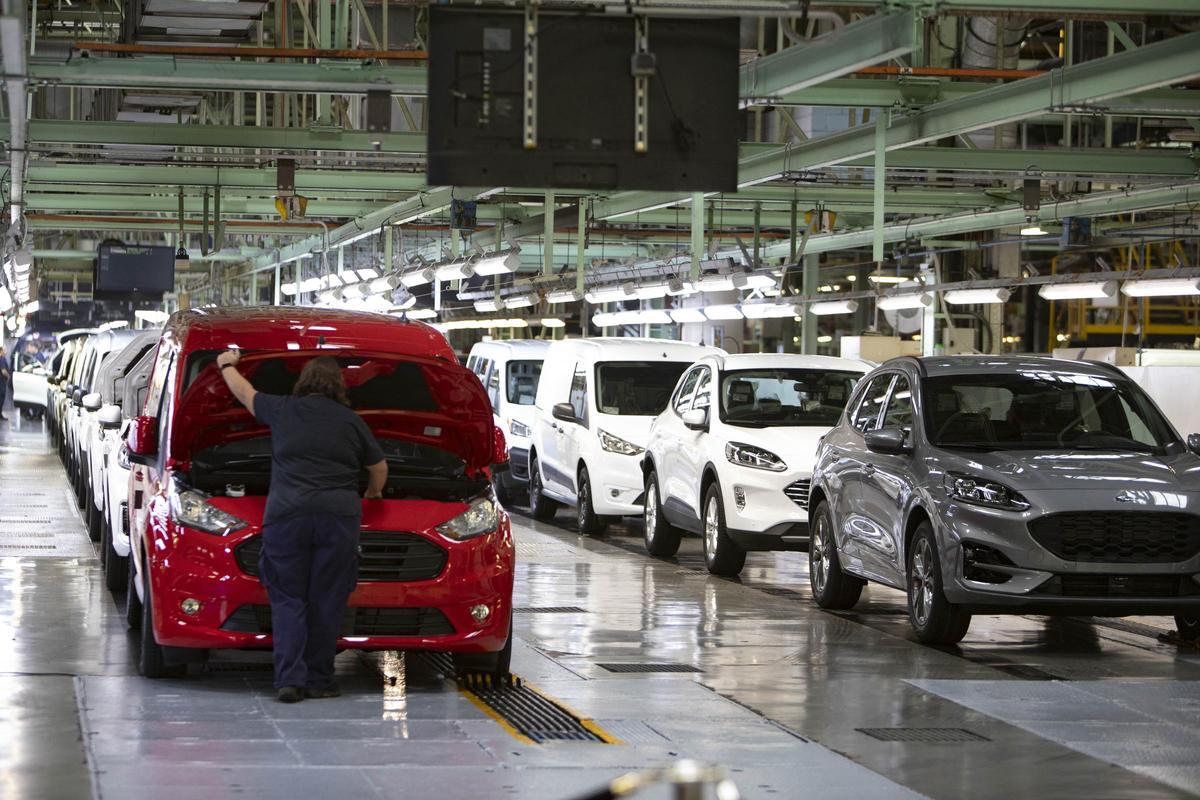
pixel 319 694
pixel 290 694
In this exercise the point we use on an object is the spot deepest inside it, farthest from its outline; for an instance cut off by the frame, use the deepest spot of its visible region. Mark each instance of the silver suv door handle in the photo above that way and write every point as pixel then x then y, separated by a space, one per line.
pixel 868 470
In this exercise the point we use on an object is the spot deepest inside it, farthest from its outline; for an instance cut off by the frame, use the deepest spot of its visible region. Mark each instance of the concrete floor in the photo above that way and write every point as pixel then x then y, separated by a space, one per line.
pixel 1058 708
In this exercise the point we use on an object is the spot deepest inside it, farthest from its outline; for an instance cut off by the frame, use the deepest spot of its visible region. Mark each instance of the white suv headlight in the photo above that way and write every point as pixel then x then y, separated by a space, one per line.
pixel 517 428
pixel 747 455
pixel 615 444
pixel 192 509
pixel 480 517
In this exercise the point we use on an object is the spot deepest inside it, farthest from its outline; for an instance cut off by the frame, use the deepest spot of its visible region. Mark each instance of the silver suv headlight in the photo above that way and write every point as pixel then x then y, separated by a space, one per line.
pixel 480 517
pixel 982 492
pixel 191 509
pixel 747 455
pixel 615 444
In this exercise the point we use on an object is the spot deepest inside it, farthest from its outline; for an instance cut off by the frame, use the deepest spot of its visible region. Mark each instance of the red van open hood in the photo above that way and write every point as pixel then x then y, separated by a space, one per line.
pixel 458 420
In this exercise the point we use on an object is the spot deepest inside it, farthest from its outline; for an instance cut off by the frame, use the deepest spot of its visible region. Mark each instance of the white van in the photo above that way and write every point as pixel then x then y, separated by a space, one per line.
pixel 595 402
pixel 509 371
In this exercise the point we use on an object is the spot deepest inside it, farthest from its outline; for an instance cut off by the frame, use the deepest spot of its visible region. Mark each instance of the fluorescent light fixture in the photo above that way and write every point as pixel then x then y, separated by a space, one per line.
pixel 553 322
pixel 609 294
pixel 384 284
pixel 300 257
pixel 563 296
pixel 22 260
pixel 287 288
pixel 824 339
pixel 1033 229
pixel 648 316
pixel 1162 287
pixel 770 310
pixel 651 291
pixel 488 306
pixel 833 307
pixel 718 283
pixel 906 300
pixel 604 319
pixel 884 278
pixel 459 269
pixel 519 301
pixel 406 303
pixel 30 307
pixel 964 297
pixel 329 296
pixel 677 287
pixel 6 300
pixel 721 312
pixel 683 315
pixel 759 281
pixel 1092 290
pixel 420 313
pixel 417 277
pixel 498 263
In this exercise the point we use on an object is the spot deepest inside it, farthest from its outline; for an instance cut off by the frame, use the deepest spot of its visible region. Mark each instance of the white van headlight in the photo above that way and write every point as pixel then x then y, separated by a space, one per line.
pixel 747 455
pixel 615 444
pixel 480 517
pixel 191 509
pixel 518 428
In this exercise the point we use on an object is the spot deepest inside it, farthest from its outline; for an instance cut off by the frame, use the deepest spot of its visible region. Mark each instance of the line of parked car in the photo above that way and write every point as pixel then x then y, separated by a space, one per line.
pixel 975 484
pixel 172 476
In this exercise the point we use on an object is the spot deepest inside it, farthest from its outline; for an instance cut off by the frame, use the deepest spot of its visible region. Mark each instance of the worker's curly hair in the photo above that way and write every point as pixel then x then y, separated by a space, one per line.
pixel 322 376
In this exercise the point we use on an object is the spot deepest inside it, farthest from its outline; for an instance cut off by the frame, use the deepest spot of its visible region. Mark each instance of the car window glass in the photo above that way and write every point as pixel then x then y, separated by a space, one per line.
pixel 866 417
pixel 785 397
pixel 493 390
pixel 578 396
pixel 703 390
pixel 683 398
pixel 636 388
pixel 521 381
pixel 158 378
pixel 900 408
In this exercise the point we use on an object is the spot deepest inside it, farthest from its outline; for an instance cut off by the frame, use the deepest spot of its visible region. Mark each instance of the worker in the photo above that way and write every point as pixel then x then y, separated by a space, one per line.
pixel 309 562
pixel 5 377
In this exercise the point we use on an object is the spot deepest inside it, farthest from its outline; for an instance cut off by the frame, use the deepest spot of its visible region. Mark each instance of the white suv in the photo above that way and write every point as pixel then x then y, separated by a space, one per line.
pixel 595 402
pixel 732 456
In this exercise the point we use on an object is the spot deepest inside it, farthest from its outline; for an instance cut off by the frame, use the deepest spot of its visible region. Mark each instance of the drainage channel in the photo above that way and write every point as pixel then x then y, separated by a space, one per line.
pixel 528 715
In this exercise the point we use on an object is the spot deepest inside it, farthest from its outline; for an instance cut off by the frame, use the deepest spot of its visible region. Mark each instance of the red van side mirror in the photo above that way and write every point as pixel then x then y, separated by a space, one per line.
pixel 142 440
pixel 499 450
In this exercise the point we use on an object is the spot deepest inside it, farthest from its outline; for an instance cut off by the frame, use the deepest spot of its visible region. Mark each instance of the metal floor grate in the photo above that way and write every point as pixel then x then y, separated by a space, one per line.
pixel 923 734
pixel 611 667
pixel 549 610
pixel 531 714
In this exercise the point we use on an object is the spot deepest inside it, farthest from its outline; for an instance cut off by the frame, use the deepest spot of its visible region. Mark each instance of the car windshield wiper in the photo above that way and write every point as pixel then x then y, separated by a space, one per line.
pixel 1123 448
pixel 748 423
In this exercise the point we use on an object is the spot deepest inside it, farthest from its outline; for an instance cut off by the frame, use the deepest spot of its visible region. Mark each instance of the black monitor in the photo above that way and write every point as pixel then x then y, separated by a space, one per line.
pixel 133 272
pixel 585 102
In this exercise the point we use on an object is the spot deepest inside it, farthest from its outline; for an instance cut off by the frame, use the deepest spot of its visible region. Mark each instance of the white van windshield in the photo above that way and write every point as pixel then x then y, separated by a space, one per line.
pixel 522 382
pixel 636 388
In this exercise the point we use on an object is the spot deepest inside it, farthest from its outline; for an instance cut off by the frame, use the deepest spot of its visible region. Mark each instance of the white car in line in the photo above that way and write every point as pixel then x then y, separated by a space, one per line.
pixel 595 401
pixel 109 475
pixel 510 371
pixel 731 457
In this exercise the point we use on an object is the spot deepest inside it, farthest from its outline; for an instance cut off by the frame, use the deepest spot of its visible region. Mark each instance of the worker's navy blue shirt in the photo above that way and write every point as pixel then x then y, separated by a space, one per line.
pixel 319 448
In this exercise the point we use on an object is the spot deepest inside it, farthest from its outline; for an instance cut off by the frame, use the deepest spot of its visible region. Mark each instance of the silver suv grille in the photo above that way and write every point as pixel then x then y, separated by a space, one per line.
pixel 798 492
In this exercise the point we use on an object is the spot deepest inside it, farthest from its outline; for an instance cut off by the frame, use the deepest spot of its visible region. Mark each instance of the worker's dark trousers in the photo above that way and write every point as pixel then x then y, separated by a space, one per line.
pixel 309 565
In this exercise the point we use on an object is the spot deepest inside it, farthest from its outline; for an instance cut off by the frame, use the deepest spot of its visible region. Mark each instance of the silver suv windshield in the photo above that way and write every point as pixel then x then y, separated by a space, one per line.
pixel 1037 410
pixel 761 398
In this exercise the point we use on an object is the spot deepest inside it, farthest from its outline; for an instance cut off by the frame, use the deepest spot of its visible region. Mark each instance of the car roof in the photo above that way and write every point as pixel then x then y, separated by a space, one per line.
pixel 285 328
pixel 788 361
pixel 629 346
pixel 524 347
pixel 951 365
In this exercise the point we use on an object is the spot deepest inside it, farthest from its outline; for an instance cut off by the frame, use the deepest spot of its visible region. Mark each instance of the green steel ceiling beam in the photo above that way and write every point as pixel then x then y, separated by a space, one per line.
pixel 63 222
pixel 165 72
pixel 1083 85
pixel 1094 205
pixel 888 92
pixel 868 41
pixel 307 180
pixel 47 131
pixel 125 203
pixel 1175 162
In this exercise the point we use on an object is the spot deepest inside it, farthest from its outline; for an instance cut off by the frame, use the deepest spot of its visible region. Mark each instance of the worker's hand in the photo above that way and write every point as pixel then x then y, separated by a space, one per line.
pixel 228 357
pixel 373 496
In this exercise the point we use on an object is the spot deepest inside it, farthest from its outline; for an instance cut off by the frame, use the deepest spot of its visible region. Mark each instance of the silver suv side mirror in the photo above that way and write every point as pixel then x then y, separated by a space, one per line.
pixel 891 440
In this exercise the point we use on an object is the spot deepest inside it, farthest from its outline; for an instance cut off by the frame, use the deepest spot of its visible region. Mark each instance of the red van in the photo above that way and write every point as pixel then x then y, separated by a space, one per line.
pixel 436 556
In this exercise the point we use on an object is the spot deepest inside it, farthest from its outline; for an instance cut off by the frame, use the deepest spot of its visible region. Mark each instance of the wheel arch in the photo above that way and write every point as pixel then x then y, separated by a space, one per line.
pixel 707 478
pixel 916 515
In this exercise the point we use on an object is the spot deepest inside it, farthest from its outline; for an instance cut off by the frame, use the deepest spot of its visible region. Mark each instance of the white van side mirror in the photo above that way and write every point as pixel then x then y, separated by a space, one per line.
pixel 91 402
pixel 109 417
pixel 696 419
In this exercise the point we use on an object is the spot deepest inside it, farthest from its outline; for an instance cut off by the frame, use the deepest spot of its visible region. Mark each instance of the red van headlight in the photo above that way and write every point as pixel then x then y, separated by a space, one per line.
pixel 480 517
pixel 191 509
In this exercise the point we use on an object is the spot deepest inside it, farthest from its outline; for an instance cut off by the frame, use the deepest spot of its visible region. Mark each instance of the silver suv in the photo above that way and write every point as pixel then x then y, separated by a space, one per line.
pixel 1007 484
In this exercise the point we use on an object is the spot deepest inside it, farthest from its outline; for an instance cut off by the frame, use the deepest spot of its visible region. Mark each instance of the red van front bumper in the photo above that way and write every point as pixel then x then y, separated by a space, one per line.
pixel 443 613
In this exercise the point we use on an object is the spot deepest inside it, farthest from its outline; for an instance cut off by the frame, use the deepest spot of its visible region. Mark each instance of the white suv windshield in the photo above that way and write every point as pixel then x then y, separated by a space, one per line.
pixel 785 397
pixel 636 388
pixel 1039 410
